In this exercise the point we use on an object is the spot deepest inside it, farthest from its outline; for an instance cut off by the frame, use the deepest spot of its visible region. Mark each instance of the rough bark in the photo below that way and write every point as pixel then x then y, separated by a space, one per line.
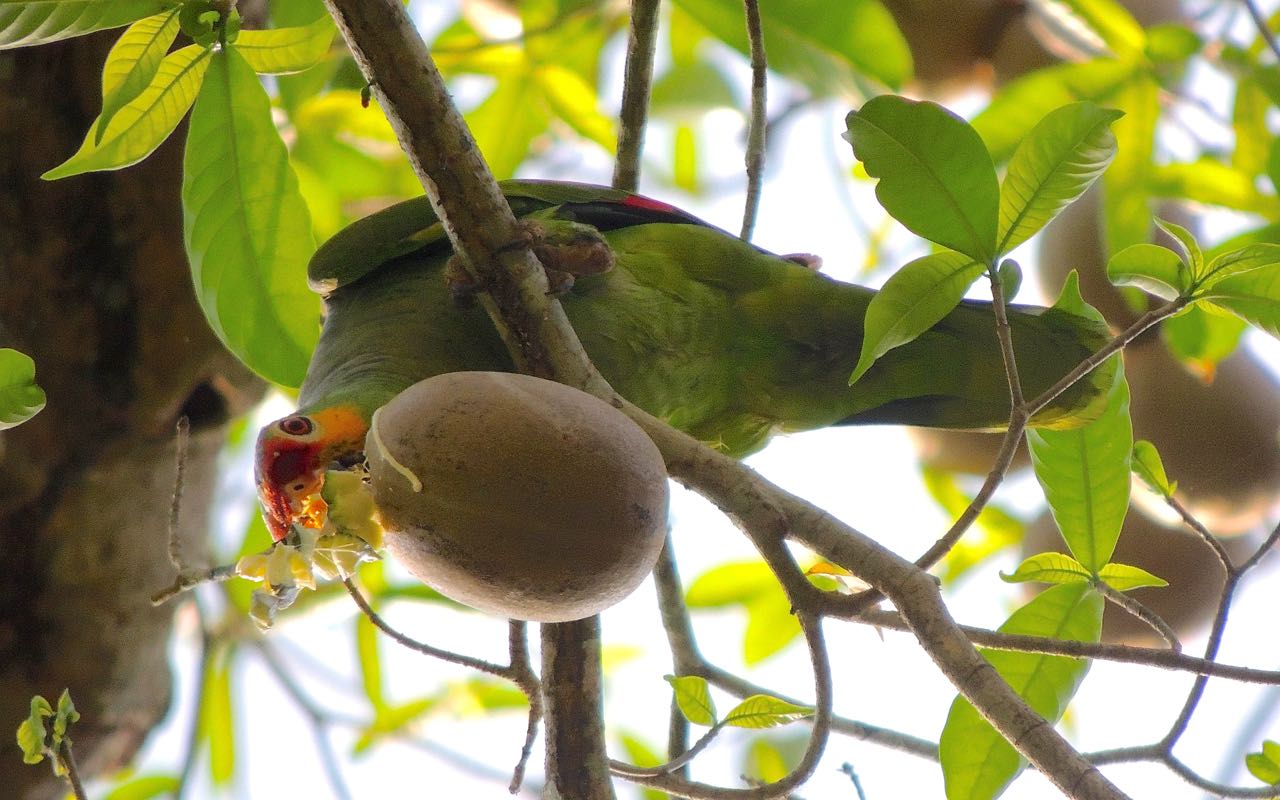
pixel 95 287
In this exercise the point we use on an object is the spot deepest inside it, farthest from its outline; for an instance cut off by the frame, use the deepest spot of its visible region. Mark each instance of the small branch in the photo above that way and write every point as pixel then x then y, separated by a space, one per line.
pixel 1137 609
pixel 470 662
pixel 1224 558
pixel 181 438
pixel 675 765
pixel 524 678
pixel 811 626
pixel 187 581
pixel 203 664
pixel 680 638
pixel 1112 347
pixel 1119 653
pixel 73 772
pixel 758 125
pixel 1263 30
pixel 319 719
pixel 1005 336
pixel 636 85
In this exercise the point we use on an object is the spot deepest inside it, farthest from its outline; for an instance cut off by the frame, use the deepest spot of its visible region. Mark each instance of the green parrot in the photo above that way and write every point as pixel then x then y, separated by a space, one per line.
pixel 721 339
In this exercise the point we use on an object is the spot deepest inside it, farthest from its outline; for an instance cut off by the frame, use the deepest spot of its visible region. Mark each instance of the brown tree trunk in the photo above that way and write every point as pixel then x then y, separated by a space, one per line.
pixel 95 287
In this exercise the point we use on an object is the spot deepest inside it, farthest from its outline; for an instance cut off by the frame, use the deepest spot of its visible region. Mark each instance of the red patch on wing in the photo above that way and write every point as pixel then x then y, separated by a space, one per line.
pixel 649 204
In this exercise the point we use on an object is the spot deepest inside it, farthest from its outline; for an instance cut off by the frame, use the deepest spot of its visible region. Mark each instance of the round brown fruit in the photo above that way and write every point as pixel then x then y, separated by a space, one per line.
pixel 517 496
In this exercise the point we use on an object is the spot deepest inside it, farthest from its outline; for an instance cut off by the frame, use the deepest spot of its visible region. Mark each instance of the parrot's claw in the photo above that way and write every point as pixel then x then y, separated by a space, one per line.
pixel 463 287
pixel 567 250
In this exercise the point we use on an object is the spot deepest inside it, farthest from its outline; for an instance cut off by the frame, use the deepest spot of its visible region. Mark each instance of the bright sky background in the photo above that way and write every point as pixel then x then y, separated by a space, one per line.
pixel 866 477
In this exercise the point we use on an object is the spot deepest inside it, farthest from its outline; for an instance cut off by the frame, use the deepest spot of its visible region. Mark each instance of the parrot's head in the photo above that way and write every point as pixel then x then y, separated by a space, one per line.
pixel 292 456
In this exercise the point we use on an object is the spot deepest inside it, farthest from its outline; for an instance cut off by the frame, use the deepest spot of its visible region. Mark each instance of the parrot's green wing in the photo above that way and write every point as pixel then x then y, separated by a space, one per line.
pixel 413 227
pixel 721 339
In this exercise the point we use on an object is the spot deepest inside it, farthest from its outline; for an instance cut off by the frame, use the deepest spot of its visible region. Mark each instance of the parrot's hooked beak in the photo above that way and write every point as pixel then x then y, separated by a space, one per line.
pixel 292 456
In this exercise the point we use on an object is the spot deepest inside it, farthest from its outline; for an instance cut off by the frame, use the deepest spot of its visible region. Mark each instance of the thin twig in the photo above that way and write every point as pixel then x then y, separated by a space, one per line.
pixel 523 676
pixel 318 718
pixel 1263 29
pixel 636 85
pixel 187 581
pixel 1004 334
pixel 1132 606
pixel 180 440
pixel 204 662
pixel 1119 653
pixel 1224 557
pixel 73 771
pixel 810 624
pixel 758 124
pixel 471 662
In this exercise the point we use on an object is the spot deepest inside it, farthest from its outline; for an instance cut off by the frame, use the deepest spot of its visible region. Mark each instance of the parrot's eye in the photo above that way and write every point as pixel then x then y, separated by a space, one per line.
pixel 296 426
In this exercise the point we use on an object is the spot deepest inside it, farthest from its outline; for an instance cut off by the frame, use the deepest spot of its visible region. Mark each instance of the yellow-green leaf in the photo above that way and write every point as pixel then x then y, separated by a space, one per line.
pixel 694 698
pixel 770 627
pixel 765 711
pixel 133 62
pixel 1148 466
pixel 914 298
pixel 21 398
pixel 1152 268
pixel 145 121
pixel 1123 577
pixel 217 720
pixel 575 101
pixel 247 229
pixel 977 763
pixel 1085 476
pixel 1048 568
pixel 29 22
pixel 143 788
pixel 1265 765
pixel 281 51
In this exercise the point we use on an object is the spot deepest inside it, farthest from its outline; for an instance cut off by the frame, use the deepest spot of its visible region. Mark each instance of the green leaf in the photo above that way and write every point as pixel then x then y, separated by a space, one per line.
pixel 1211 182
pixel 508 121
pixel 28 22
pixel 995 528
pixel 766 761
pixel 144 787
pixel 394 719
pixel 1244 259
pixel 247 229
pixel 145 121
pixel 1148 466
pixel 21 398
pixel 1187 243
pixel 1201 337
pixel 1048 568
pixel 1151 268
pixel 132 64
pixel 1111 22
pixel 575 101
pixel 1254 149
pixel 282 51
pixel 1021 104
pixel 936 177
pixel 370 663
pixel 735 583
pixel 1125 196
pixel 1265 766
pixel 826 52
pixel 1172 42
pixel 641 754
pixel 1009 274
pixel 693 698
pixel 65 715
pixel 1254 296
pixel 1061 158
pixel 911 301
pixel 217 720
pixel 1085 476
pixel 687 92
pixel 1123 577
pixel 765 711
pixel 770 627
pixel 32 731
pixel 976 761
